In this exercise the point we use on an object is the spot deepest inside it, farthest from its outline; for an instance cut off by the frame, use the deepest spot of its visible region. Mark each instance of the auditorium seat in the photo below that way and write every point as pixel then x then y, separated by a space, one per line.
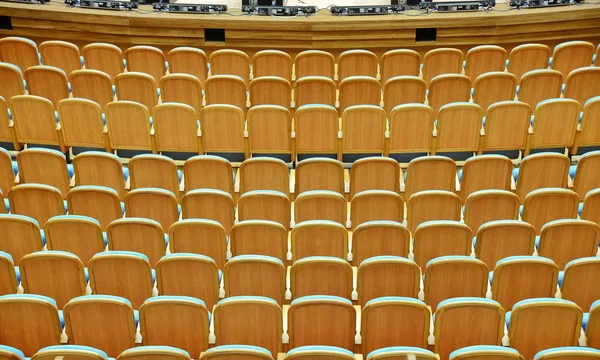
pixel 484 206
pixel 580 282
pixel 44 166
pixel 56 274
pixel 372 205
pixel 485 172
pixel 527 57
pixel 237 352
pixel 568 353
pixel 377 331
pixel 319 174
pixel 264 173
pixel 78 235
pixel 22 236
pixel 7 173
pixel 554 125
pixel 310 90
pixel 255 275
pixel 499 239
pixel 29 322
pixel 592 326
pixel 181 88
pixel 92 84
pixel 485 59
pixel 319 238
pixel 144 236
pixel 448 88
pixel 320 205
pixel 81 124
pixel 210 204
pixel 568 239
pixel 539 85
pixel 411 129
pixel 185 274
pixel 259 237
pixel 128 126
pixel 591 206
pixel 269 132
pixel 467 321
pixel 35 122
pixel 399 62
pixel 188 60
pixel 543 170
pixel 107 58
pixel 208 172
pixel 433 239
pixel 545 205
pixel 7 132
pixel 517 278
pixel 98 202
pixel 138 87
pixel 19 51
pixel 432 205
pixel 249 320
pixel 485 352
pixel 584 174
pixel 400 90
pixel 430 173
pixel 583 84
pixel 154 171
pixel 319 351
pixel 230 62
pixel 40 202
pixel 226 89
pixel 152 203
pixel 543 323
pixel 402 352
pixel 12 81
pixel 104 322
pixel 506 126
pixel 458 128
pixel 380 237
pixel 61 54
pixel 363 132
pixel 394 276
pixel 176 130
pixel 68 351
pixel 9 284
pixel 163 352
pixel 375 173
pixel 442 61
pixel 222 128
pixel 199 236
pixel 270 90
pixel 48 82
pixel 107 275
pixel 359 90
pixel 314 63
pixel 146 59
pixel 272 63
pixel 587 137
pixel 571 55
pixel 178 321
pixel 100 169
pixel 448 277
pixel 493 87
pixel 321 275
pixel 357 63
pixel 324 320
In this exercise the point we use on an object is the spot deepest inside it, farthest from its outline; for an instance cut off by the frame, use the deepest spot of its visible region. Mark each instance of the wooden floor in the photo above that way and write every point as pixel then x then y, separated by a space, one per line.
pixel 503 25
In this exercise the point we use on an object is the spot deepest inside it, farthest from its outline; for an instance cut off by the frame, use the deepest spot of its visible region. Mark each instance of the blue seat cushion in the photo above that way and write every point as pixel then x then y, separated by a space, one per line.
pixel 572 171
pixel 580 208
pixel 125 173
pixel 7 205
pixel 537 241
pixel 105 237
pixel 66 206
pixel 15 167
pixel 18 273
pixel 70 170
pixel 584 320
pixel 136 317
pixel 87 275
pixel 561 276
pixel 166 239
pixel 460 175
pixel 122 208
pixel 515 173
pixel 61 318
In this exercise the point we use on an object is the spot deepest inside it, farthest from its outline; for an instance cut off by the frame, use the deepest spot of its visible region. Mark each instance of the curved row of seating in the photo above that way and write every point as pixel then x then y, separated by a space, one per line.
pixel 109 324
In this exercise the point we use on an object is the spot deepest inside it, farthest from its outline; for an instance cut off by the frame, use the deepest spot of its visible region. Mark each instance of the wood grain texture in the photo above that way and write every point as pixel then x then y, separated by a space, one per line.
pixel 394 276
pixel 222 131
pixel 144 236
pixel 432 205
pixel 555 124
pixel 39 166
pixel 319 238
pixel 175 128
pixel 374 173
pixel 259 237
pixel 92 84
pixel 566 240
pixel 572 55
pixel 65 234
pixel 400 90
pixel 316 128
pixel 483 59
pixel 265 205
pixel 156 204
pixel 375 238
pixel 489 205
pixel 545 205
pixel 430 173
pixel 542 171
pixel 440 238
pixel 81 123
pixel 153 171
pixel 22 237
pixel 372 205
pixel 589 126
pixel 262 173
pixel 40 202
pixel 506 126
pixel 321 276
pixel 500 239
pixel 199 236
pixel 583 84
pixel 209 204
pixel 494 87
pixel 399 62
pixel 319 174
pixel 208 172
pixel 320 205
pixel 61 54
pixel 458 127
pixel 101 169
